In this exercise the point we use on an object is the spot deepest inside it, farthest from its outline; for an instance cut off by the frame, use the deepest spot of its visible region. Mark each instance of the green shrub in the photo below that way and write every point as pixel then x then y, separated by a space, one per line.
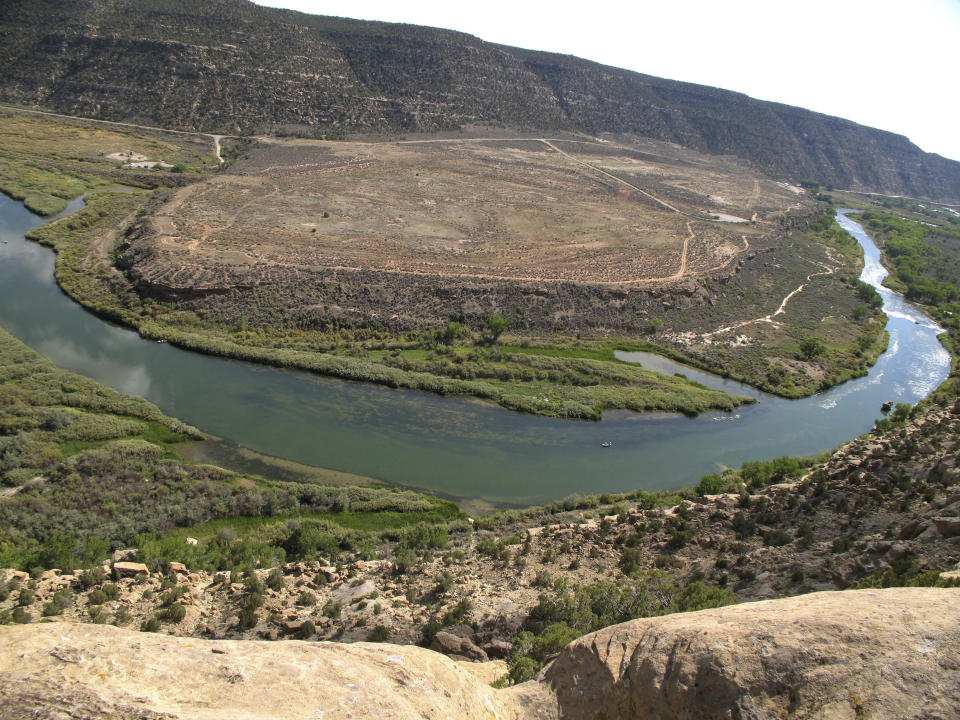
pixel 51 608
pixel 404 560
pixel 379 633
pixel 701 596
pixel 429 631
pixel 332 609
pixel 94 576
pixel 175 613
pixel 306 630
pixel 171 596
pixel 275 580
pixel 530 650
pixel 252 601
pixel 458 612
pixel 777 538
pixel 841 544
pixel 306 599
pixel 523 668
pixel 710 485
pixel 248 618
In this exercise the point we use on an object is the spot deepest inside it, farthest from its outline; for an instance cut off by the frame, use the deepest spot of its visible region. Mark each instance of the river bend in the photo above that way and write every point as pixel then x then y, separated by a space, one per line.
pixel 456 446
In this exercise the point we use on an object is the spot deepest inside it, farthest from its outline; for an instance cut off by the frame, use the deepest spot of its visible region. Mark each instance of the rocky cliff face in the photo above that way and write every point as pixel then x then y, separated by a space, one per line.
pixel 874 653
pixel 230 65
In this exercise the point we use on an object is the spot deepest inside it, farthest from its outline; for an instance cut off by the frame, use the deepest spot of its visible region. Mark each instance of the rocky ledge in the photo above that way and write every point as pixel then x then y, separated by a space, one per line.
pixel 832 655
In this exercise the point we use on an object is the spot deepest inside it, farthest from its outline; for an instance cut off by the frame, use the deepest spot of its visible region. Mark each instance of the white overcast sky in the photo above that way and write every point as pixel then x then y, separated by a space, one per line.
pixel 890 65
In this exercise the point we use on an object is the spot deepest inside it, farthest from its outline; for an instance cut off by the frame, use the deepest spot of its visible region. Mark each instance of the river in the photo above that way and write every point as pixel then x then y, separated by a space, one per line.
pixel 455 446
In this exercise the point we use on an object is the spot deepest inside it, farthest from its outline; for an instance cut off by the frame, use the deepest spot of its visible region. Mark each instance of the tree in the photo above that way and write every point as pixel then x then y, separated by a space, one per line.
pixel 497 325
pixel 901 413
pixel 811 348
pixel 449 334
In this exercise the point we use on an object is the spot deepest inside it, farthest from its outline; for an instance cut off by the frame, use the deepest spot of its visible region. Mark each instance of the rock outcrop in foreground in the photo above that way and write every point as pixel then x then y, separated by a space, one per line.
pixel 872 653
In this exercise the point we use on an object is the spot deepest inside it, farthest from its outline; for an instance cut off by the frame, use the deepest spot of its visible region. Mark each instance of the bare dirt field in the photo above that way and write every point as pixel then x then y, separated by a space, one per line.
pixel 528 210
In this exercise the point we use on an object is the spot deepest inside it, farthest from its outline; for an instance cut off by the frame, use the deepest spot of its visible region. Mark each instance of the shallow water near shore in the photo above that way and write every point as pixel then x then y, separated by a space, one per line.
pixel 456 446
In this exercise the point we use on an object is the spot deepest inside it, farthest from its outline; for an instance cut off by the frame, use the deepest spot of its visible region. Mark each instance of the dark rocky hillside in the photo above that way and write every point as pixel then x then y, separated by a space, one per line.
pixel 232 66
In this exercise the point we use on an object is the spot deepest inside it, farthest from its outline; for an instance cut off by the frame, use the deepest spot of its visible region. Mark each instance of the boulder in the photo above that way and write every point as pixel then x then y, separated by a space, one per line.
pixel 869 653
pixel 89 671
pixel 498 649
pixel 190 541
pixel 947 526
pixel 291 627
pixel 129 569
pixel 897 551
pixel 179 568
pixel 910 530
pixel 125 555
pixel 462 631
pixel 450 644
pixel 329 572
pixel 349 593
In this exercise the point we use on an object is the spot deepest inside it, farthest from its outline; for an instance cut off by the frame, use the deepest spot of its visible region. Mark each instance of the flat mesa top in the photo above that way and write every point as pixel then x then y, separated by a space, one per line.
pixel 531 209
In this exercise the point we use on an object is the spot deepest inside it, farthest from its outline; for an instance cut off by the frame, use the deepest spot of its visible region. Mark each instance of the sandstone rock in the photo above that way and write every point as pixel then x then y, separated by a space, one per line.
pixel 882 654
pixel 179 568
pixel 373 565
pixel 129 569
pixel 897 551
pixel 125 555
pixel 487 673
pixel 881 546
pixel 190 541
pixel 498 649
pixel 348 593
pixel 870 653
pixel 329 572
pixel 462 631
pixel 450 644
pixel 254 680
pixel 947 526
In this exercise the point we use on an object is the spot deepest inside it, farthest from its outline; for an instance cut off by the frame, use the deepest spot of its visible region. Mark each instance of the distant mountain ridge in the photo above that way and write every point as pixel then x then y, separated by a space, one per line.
pixel 230 65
